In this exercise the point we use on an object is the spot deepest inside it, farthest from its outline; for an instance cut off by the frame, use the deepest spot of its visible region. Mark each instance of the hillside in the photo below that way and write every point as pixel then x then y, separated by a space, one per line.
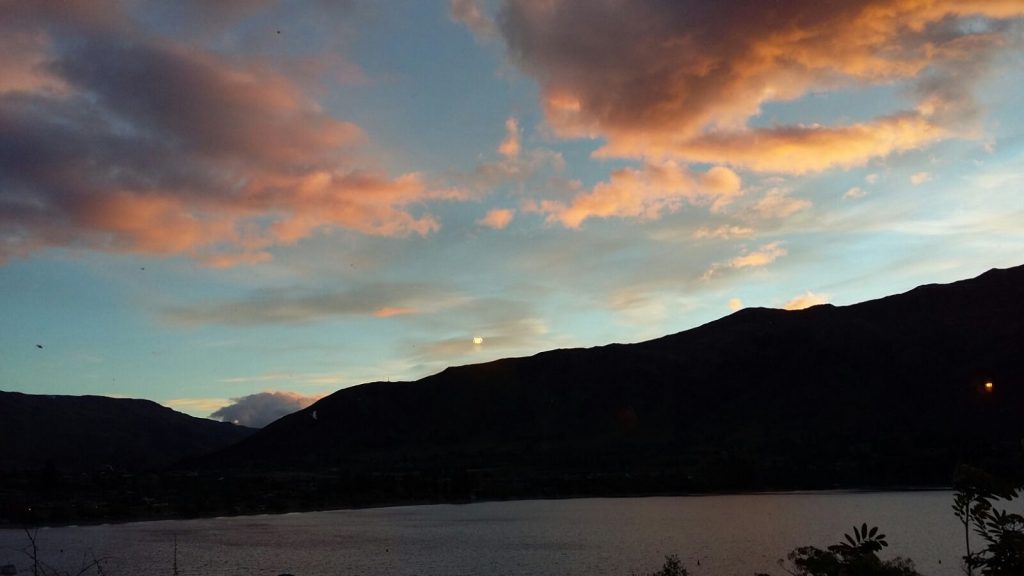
pixel 884 392
pixel 86 433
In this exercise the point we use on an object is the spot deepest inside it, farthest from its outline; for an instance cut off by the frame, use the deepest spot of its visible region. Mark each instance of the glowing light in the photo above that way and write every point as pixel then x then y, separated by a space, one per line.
pixel 478 340
pixel 988 386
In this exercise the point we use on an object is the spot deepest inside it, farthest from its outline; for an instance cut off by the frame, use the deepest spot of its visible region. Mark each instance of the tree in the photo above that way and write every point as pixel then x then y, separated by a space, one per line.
pixel 977 494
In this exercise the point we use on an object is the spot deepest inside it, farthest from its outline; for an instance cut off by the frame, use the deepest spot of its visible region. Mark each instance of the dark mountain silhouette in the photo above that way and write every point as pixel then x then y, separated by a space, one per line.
pixel 885 392
pixel 85 433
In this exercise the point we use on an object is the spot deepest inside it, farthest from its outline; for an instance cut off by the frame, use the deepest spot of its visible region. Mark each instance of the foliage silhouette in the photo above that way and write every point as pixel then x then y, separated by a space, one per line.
pixel 855 555
pixel 977 492
pixel 671 567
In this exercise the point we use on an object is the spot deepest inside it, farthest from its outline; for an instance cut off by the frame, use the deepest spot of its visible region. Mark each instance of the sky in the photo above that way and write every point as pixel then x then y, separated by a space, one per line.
pixel 235 208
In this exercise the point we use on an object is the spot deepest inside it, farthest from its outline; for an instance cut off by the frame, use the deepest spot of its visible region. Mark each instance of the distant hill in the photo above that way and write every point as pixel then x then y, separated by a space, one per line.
pixel 85 433
pixel 884 392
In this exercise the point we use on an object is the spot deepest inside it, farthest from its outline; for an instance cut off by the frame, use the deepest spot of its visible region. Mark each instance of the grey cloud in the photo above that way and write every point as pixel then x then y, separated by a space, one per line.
pixel 659 78
pixel 469 13
pixel 258 410
pixel 297 306
pixel 134 142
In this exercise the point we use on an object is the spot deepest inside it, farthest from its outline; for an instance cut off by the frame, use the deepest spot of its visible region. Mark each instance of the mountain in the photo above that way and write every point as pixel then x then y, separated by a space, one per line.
pixel 85 433
pixel 886 392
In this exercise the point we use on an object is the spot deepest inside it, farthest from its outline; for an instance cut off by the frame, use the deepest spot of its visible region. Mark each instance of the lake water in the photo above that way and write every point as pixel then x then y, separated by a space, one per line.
pixel 727 535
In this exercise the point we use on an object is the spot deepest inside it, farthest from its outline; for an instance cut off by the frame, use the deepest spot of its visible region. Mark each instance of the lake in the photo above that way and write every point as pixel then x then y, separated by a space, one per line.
pixel 726 535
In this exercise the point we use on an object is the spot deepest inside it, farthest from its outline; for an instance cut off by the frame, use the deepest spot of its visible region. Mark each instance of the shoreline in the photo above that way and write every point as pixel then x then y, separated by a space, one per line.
pixel 415 503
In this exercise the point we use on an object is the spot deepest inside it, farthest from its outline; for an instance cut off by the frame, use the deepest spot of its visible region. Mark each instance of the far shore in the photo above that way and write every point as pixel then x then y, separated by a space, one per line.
pixel 6 525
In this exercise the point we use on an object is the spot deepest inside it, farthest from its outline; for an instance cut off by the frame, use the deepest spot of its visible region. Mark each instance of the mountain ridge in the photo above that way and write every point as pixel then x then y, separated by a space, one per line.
pixel 883 391
pixel 91 432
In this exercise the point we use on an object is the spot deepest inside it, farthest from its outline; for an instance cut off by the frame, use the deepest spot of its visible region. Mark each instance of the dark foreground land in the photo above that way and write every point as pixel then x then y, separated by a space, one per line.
pixel 886 393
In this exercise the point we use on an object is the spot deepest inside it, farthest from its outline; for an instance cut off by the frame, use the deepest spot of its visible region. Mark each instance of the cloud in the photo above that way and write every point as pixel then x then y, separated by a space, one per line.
pixel 299 378
pixel 498 218
pixel 793 149
pixel 723 232
pixel 116 141
pixel 515 169
pixel 920 178
pixel 509 147
pixel 762 256
pixel 389 311
pixel 24 67
pixel 508 327
pixel 516 164
pixel 498 337
pixel 683 79
pixel 776 203
pixel 468 13
pixel 646 193
pixel 258 410
pixel 203 405
pixel 299 305
pixel 854 193
pixel 805 300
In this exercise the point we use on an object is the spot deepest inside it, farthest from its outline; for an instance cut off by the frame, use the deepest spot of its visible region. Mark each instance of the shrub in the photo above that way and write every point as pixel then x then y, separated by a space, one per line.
pixel 671 567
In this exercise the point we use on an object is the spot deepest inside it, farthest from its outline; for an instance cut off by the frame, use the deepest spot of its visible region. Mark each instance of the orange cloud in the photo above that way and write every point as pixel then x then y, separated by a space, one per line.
pixel 920 178
pixel 777 203
pixel 854 193
pixel 805 300
pixel 724 232
pixel 683 79
pixel 647 193
pixel 509 147
pixel 763 256
pixel 499 219
pixel 202 405
pixel 791 149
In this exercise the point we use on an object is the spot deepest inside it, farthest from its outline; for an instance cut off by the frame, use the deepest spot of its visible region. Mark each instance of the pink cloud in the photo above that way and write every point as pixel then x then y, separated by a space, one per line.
pixel 159 147
pixel 510 146
pixel 390 311
pixel 498 219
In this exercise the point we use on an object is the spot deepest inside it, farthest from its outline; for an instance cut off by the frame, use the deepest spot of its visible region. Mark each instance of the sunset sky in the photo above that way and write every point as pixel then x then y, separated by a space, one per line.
pixel 203 201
